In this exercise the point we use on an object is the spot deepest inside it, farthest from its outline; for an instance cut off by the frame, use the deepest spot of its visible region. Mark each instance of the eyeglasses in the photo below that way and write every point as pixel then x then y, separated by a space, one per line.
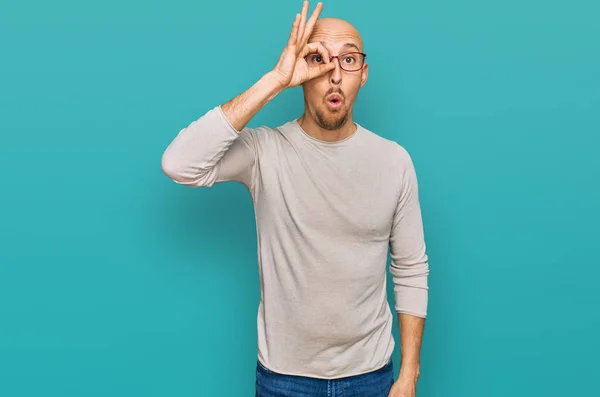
pixel 349 61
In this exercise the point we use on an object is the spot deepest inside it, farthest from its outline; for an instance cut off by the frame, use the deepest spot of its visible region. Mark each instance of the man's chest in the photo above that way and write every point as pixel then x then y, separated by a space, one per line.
pixel 342 195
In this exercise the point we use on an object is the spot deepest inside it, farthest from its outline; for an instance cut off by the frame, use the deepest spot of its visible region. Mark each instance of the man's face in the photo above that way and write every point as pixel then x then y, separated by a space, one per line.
pixel 329 98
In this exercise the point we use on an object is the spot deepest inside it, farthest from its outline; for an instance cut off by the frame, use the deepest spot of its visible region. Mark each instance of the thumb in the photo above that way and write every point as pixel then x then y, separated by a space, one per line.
pixel 322 69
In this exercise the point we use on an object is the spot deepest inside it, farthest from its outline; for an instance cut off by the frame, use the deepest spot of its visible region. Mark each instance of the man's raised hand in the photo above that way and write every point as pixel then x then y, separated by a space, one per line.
pixel 292 69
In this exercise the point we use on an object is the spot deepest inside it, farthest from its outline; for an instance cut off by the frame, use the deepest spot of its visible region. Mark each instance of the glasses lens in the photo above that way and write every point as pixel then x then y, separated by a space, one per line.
pixel 351 62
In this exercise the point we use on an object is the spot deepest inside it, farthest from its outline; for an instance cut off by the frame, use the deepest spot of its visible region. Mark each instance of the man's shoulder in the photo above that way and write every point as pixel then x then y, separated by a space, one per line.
pixel 263 135
pixel 269 130
pixel 391 149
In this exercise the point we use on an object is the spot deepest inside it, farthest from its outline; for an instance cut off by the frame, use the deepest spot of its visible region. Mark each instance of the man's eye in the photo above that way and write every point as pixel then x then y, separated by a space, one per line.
pixel 349 59
pixel 315 58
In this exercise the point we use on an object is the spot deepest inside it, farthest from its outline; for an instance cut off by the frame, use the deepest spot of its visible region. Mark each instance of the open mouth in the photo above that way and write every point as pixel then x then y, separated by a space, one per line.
pixel 334 100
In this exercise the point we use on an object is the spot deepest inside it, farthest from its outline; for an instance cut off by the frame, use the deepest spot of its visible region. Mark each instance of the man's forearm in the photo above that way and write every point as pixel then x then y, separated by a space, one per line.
pixel 411 336
pixel 241 109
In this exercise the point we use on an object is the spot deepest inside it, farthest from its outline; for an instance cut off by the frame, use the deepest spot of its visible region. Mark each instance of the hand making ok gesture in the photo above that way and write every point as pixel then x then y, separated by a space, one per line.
pixel 292 69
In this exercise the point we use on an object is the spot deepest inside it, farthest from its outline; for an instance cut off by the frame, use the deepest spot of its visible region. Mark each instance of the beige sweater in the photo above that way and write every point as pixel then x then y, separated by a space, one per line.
pixel 326 214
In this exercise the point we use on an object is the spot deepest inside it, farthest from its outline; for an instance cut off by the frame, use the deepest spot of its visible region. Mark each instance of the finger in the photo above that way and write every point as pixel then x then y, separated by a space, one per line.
pixel 293 39
pixel 316 70
pixel 317 47
pixel 321 70
pixel 311 23
pixel 303 19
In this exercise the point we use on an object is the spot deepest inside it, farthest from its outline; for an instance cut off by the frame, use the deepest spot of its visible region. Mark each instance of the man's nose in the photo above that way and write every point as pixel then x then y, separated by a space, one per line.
pixel 336 73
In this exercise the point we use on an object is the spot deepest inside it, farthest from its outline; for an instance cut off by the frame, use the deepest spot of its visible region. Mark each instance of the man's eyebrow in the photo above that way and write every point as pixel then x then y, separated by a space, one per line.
pixel 351 45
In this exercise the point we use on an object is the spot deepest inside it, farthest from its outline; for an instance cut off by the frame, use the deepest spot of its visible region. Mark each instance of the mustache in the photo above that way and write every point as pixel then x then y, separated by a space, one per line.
pixel 335 91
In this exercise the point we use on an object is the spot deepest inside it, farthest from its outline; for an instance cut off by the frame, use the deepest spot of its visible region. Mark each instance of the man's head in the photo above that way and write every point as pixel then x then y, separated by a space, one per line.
pixel 329 98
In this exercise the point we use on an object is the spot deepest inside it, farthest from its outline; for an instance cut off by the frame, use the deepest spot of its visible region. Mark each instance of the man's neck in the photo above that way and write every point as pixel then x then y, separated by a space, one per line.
pixel 313 129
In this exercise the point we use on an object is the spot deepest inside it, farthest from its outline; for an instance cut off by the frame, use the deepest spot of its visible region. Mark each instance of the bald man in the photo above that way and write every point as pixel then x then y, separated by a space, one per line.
pixel 330 197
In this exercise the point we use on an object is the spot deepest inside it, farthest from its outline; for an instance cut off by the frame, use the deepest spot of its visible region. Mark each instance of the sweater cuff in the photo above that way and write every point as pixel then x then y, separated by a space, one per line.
pixel 225 121
pixel 411 298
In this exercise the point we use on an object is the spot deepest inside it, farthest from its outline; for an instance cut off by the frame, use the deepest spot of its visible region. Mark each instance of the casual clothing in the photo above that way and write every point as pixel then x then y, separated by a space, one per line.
pixel 326 214
pixel 377 383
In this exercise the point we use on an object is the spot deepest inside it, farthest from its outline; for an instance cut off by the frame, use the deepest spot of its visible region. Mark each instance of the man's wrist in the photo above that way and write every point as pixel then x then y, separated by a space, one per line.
pixel 273 79
pixel 411 371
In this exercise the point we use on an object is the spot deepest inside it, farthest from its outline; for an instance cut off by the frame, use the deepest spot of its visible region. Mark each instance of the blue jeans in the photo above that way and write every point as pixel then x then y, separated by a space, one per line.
pixel 372 384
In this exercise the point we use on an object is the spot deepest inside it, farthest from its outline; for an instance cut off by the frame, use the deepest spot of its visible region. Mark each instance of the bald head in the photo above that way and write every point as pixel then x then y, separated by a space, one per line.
pixel 336 30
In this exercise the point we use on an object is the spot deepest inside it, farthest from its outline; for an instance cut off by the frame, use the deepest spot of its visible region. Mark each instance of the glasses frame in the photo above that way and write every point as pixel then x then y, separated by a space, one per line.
pixel 331 58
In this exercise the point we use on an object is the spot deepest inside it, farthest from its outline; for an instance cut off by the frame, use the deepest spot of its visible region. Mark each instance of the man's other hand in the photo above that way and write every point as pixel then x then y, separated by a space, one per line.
pixel 405 386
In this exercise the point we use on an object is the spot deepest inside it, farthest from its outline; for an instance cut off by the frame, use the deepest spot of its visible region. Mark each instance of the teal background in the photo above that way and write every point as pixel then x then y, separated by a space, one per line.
pixel 114 281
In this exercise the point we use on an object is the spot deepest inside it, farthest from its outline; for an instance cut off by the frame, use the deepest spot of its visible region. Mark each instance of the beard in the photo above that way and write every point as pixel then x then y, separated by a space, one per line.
pixel 331 120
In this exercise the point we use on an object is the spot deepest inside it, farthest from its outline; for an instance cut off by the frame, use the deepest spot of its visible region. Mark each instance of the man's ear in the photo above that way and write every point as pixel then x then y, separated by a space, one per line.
pixel 364 75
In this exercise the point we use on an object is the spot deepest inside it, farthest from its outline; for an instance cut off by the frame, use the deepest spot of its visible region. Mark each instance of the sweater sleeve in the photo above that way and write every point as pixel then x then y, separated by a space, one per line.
pixel 210 150
pixel 409 266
